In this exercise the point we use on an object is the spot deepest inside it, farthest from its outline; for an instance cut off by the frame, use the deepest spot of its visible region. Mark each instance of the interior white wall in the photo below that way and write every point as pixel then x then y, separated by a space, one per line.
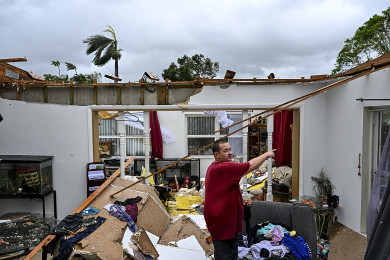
pixel 345 140
pixel 47 129
pixel 313 118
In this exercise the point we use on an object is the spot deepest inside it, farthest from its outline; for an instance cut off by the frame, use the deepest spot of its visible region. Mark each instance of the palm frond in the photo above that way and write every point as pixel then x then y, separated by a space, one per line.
pixel 106 57
pixel 95 42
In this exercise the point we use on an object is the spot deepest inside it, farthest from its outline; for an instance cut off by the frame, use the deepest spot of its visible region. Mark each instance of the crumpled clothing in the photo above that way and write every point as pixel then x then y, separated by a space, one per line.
pixel 277 235
pixel 71 222
pixel 279 250
pixel 297 245
pixel 128 201
pixel 243 251
pixel 120 213
pixel 264 230
pixel 66 245
pixel 132 210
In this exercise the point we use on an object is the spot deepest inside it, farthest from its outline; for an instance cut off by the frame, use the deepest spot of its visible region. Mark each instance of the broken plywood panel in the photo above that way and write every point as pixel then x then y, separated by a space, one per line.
pixel 183 228
pixel 112 229
pixel 143 242
pixel 151 216
pixel 147 188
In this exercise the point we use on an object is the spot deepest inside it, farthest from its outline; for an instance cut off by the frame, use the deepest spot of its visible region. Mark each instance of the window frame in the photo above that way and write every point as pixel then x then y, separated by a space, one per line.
pixel 127 137
pixel 216 136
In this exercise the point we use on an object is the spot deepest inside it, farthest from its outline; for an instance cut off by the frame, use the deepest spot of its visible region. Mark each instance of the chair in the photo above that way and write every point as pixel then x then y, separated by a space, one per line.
pixel 299 217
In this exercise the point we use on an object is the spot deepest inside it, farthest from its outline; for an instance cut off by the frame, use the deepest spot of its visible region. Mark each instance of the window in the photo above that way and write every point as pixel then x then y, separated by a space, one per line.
pixel 200 132
pixel 109 132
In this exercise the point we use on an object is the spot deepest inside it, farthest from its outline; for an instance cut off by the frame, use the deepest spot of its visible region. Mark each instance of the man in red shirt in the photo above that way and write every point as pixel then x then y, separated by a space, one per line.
pixel 223 205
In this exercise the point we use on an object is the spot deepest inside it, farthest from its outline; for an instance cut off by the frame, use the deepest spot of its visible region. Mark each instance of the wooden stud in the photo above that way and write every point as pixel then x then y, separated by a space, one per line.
pixel 142 92
pixel 95 136
pixel 166 91
pixel 95 91
pixel 71 93
pixel 46 94
pixel 161 95
pixel 295 153
pixel 118 95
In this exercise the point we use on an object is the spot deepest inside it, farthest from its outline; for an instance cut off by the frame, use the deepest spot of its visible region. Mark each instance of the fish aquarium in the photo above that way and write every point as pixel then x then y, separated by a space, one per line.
pixel 25 174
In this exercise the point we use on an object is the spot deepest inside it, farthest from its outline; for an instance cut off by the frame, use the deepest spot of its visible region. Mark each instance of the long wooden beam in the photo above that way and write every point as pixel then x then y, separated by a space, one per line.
pixel 13 60
pixel 178 84
pixel 85 203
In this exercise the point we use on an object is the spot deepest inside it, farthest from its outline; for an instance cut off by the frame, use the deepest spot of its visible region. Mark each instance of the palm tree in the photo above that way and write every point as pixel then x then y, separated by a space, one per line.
pixel 70 66
pixel 99 43
pixel 57 64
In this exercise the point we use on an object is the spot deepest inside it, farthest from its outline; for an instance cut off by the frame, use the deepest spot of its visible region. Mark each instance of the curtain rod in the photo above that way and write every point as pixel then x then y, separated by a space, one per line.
pixel 372 99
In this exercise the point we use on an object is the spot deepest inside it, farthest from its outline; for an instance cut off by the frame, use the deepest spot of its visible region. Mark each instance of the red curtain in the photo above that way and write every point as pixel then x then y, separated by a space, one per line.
pixel 281 137
pixel 155 134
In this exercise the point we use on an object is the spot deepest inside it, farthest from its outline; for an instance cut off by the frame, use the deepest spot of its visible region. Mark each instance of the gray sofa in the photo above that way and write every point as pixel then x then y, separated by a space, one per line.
pixel 299 217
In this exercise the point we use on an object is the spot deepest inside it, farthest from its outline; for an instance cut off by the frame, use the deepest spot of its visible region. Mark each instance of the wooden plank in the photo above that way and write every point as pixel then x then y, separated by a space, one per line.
pixel 95 91
pixel 118 95
pixel 95 136
pixel 13 60
pixel 161 95
pixel 85 203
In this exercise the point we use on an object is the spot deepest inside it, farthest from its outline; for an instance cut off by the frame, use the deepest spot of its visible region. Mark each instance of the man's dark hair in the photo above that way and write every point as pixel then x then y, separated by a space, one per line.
pixel 215 147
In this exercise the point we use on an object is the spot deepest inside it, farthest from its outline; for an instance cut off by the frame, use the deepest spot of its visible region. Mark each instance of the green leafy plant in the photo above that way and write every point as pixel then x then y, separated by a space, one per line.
pixel 323 187
pixel 280 177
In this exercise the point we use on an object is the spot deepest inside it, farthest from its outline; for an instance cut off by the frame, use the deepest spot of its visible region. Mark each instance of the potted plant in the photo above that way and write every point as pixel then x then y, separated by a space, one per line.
pixel 280 180
pixel 324 188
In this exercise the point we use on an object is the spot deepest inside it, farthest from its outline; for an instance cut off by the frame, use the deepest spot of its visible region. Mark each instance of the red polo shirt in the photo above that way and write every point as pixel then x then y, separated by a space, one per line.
pixel 223 205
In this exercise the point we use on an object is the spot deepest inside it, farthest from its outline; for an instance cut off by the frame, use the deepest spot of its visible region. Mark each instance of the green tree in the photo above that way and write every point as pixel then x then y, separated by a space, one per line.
pixel 189 68
pixel 57 64
pixel 62 78
pixel 99 43
pixel 70 66
pixel 371 40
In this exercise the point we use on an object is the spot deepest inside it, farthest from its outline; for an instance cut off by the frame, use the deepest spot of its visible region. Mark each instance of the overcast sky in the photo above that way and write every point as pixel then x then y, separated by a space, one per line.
pixel 291 38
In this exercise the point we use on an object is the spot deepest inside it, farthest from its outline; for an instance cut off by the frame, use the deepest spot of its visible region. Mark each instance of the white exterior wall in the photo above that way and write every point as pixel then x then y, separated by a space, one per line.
pixel 46 129
pixel 345 140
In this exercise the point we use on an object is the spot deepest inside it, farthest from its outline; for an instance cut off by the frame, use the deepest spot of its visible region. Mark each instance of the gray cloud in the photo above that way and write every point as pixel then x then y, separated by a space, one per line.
pixel 292 39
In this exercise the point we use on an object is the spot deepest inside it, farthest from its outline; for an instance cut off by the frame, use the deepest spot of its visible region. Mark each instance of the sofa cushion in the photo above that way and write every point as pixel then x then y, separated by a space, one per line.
pixel 275 212
pixel 303 222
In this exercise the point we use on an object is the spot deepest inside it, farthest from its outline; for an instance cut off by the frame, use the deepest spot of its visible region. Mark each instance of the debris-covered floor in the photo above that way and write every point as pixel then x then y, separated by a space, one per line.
pixel 162 229
pixel 157 233
pixel 20 232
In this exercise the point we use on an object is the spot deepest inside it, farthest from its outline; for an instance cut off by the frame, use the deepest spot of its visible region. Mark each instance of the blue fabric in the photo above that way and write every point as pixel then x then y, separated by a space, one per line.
pixel 66 245
pixel 297 245
pixel 90 211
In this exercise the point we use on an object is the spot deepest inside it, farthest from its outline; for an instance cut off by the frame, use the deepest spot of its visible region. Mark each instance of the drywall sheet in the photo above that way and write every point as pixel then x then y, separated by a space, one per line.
pixel 167 253
pixel 183 228
pixel 143 242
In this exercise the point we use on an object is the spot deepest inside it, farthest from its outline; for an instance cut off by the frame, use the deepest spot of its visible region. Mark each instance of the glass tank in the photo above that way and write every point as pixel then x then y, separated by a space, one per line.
pixel 25 174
